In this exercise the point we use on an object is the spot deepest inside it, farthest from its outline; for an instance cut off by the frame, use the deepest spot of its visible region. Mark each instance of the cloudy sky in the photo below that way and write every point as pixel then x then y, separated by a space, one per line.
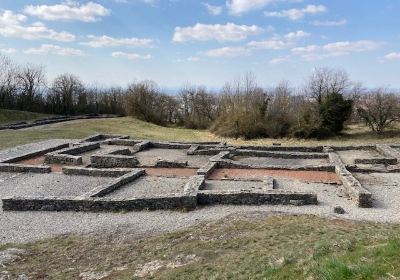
pixel 204 42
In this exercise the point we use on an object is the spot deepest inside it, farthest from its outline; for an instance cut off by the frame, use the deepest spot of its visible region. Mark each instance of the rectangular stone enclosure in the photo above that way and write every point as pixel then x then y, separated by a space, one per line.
pixel 115 173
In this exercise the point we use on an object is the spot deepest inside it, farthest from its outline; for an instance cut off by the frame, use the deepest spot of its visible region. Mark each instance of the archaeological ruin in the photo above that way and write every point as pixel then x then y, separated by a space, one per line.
pixel 116 173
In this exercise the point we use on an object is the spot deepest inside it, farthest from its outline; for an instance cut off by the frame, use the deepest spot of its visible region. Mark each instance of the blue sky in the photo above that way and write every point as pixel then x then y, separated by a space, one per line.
pixel 175 42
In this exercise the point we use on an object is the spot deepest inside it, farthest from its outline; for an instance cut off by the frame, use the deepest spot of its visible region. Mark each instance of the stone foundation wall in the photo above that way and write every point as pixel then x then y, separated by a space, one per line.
pixel 23 168
pixel 113 161
pixel 95 172
pixel 279 154
pixel 114 184
pixel 351 186
pixel 255 198
pixel 386 161
pixel 207 169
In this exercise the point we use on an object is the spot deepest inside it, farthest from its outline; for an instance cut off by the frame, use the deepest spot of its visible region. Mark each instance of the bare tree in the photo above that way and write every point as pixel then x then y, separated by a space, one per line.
pixel 324 81
pixel 68 93
pixel 197 107
pixel 31 82
pixel 379 109
pixel 8 83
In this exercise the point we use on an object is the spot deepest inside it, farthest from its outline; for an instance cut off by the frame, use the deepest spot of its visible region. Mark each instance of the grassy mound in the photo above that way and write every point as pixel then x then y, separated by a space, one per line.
pixel 12 116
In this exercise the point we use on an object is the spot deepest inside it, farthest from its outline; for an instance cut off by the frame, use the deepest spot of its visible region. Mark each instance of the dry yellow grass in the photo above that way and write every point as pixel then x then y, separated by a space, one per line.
pixel 354 134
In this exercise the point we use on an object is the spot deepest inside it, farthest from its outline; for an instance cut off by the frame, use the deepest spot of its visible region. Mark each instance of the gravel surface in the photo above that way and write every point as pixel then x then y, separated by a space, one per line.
pixel 51 184
pixel 148 186
pixel 28 226
pixel 29 148
pixel 260 161
pixel 150 157
pixel 226 185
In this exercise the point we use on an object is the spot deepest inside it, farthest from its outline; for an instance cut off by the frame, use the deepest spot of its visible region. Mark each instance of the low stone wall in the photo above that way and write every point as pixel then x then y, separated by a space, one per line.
pixel 234 164
pixel 95 172
pixel 23 168
pixel 143 145
pixel 212 151
pixel 207 169
pixel 353 147
pixel 386 161
pixel 192 150
pixel 221 156
pixel 170 145
pixel 271 197
pixel 316 149
pixel 388 151
pixel 279 154
pixel 171 164
pixel 268 183
pixel 352 187
pixel 191 190
pixel 69 155
pixel 113 161
pixel 123 151
pixel 121 142
pixel 115 184
pixel 93 204
pixel 374 169
pixel 54 158
pixel 103 137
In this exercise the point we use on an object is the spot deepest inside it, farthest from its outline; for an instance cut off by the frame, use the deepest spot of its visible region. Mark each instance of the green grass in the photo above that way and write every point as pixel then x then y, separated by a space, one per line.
pixel 355 134
pixel 280 247
pixel 12 116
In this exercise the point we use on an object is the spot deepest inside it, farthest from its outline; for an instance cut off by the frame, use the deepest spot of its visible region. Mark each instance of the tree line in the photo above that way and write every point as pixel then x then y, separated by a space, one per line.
pixel 242 108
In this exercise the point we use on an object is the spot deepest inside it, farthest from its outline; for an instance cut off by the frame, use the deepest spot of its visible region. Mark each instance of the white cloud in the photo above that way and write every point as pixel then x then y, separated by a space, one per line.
pixel 8 50
pixel 149 2
pixel 392 56
pixel 218 32
pixel 279 60
pixel 107 41
pixel 330 23
pixel 68 11
pixel 279 42
pixel 296 14
pixel 272 44
pixel 228 52
pixel 297 35
pixel 213 10
pixel 193 58
pixel 237 7
pixel 47 49
pixel 130 56
pixel 12 25
pixel 314 52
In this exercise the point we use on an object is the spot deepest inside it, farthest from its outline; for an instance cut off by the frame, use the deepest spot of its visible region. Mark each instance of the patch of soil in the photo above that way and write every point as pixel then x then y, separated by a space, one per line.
pixel 258 174
pixel 171 172
pixel 39 160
